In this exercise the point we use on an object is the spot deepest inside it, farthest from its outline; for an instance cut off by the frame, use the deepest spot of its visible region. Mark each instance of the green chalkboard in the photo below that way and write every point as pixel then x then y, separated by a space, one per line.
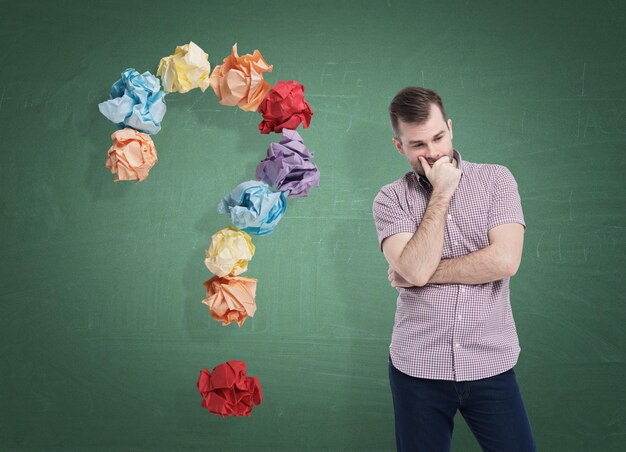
pixel 102 329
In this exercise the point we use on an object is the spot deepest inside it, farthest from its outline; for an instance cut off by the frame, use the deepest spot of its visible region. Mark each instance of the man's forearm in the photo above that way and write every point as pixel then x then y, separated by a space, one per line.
pixel 479 267
pixel 422 253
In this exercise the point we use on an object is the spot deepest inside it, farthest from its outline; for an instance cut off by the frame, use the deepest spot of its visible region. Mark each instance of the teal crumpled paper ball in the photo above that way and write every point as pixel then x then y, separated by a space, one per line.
pixel 137 101
pixel 254 207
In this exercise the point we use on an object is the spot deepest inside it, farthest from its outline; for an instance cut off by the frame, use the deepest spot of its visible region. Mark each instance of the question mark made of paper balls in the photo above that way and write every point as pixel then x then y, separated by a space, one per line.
pixel 137 106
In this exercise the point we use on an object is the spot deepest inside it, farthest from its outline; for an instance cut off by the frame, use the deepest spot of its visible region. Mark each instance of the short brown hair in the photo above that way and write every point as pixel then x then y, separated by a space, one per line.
pixel 412 104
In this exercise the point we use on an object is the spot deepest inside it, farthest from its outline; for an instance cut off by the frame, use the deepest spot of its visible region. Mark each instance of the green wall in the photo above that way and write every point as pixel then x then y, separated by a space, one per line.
pixel 102 330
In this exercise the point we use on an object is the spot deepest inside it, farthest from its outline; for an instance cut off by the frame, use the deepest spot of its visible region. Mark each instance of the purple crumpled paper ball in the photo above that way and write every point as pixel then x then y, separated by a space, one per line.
pixel 288 166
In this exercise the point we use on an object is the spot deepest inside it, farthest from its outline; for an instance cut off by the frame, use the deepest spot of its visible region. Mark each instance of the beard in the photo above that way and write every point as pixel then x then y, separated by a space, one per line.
pixel 417 166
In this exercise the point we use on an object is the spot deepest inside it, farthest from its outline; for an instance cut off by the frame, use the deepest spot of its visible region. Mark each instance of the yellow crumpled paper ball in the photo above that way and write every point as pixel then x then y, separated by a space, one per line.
pixel 186 69
pixel 229 252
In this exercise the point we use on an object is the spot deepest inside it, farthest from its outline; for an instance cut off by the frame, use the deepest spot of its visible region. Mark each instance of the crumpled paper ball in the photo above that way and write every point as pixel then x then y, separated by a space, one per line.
pixel 137 101
pixel 284 107
pixel 239 81
pixel 186 69
pixel 229 252
pixel 288 166
pixel 132 155
pixel 254 207
pixel 231 298
pixel 227 390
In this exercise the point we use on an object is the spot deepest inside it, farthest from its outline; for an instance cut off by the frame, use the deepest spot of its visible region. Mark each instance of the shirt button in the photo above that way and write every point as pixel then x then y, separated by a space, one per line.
pixel 457 345
pixel 456 242
pixel 449 216
pixel 462 289
pixel 460 317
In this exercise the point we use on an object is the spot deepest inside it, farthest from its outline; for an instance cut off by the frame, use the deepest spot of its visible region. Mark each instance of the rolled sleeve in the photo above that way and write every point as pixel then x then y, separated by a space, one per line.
pixel 507 205
pixel 389 216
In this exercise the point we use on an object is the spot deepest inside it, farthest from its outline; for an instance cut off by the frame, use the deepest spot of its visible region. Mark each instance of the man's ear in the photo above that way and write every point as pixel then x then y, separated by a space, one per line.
pixel 398 145
pixel 450 127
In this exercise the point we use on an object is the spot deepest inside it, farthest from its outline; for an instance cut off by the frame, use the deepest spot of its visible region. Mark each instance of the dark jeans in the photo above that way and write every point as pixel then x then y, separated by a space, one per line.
pixel 492 407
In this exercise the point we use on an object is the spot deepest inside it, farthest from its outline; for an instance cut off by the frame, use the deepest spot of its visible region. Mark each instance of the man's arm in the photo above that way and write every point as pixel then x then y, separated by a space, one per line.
pixel 499 260
pixel 417 256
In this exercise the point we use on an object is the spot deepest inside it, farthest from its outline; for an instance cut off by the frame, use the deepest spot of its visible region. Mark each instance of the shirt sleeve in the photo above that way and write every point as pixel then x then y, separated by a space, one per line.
pixel 506 206
pixel 389 216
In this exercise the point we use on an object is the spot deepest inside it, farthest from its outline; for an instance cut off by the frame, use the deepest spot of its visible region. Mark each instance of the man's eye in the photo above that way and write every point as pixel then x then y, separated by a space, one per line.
pixel 438 138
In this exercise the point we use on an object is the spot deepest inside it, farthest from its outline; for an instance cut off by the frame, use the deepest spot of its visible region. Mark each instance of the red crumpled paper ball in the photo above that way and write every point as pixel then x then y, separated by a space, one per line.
pixel 284 107
pixel 227 391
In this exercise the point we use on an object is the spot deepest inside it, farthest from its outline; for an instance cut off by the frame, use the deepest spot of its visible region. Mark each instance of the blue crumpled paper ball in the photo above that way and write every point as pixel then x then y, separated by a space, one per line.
pixel 137 101
pixel 254 207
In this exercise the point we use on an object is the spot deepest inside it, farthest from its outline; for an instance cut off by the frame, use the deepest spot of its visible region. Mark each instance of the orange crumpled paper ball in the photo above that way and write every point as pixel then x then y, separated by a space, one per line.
pixel 227 390
pixel 230 298
pixel 239 81
pixel 132 155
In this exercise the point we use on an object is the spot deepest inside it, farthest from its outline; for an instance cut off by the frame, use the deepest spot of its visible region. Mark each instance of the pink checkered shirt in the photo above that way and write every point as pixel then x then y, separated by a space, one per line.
pixel 453 331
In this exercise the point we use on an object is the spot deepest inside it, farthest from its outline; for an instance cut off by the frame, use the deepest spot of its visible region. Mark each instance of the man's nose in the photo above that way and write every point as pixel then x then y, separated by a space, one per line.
pixel 432 154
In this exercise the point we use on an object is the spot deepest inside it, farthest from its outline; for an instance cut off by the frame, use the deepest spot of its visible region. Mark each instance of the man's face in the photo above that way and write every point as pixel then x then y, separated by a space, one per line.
pixel 431 139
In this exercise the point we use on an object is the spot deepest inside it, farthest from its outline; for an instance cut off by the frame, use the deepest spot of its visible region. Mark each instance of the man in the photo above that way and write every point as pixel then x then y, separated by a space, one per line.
pixel 452 232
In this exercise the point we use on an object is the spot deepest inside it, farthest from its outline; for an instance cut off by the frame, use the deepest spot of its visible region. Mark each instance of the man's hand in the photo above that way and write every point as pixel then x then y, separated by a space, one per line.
pixel 396 280
pixel 443 175
pixel 416 256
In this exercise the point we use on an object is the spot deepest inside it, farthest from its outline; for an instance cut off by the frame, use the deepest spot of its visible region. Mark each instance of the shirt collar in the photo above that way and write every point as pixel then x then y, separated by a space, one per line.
pixel 424 182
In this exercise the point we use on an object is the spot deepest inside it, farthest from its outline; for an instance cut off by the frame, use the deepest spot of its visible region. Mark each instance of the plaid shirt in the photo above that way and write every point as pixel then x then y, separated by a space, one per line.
pixel 453 331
